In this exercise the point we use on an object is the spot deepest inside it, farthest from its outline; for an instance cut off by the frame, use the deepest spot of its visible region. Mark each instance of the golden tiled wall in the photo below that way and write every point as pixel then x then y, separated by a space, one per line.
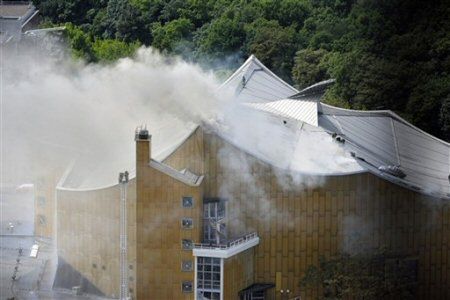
pixel 238 273
pixel 311 217
pixel 88 234
pixel 297 221
pixel 189 155
pixel 159 212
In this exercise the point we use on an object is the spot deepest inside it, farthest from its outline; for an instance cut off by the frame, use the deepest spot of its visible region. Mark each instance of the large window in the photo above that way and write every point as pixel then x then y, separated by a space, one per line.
pixel 208 278
pixel 214 227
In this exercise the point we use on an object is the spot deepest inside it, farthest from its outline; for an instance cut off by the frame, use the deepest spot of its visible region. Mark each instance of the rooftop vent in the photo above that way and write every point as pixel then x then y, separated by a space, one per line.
pixel 141 133
pixel 392 170
pixel 338 138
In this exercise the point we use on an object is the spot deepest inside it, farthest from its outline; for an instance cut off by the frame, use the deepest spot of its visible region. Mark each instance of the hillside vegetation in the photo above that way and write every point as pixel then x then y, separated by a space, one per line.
pixel 384 54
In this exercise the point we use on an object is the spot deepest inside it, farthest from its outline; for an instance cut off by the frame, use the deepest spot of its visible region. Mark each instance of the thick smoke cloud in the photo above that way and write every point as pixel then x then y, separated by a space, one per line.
pixel 58 111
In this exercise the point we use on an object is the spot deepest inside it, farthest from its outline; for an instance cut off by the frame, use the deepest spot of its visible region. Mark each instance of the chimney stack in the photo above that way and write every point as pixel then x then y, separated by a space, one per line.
pixel 143 145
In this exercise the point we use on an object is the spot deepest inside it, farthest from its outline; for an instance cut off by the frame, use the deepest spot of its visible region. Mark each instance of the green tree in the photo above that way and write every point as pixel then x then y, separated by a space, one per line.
pixel 220 38
pixel 428 102
pixel 111 50
pixel 309 67
pixel 273 44
pixel 173 36
pixel 100 23
pixel 80 43
pixel 124 22
pixel 62 11
pixel 286 12
pixel 444 118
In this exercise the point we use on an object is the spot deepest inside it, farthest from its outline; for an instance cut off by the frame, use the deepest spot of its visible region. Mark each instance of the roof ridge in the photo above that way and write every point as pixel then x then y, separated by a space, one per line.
pixel 246 64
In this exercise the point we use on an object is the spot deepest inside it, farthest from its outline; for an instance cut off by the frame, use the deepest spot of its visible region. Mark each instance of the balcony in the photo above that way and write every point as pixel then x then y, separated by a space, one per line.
pixel 227 250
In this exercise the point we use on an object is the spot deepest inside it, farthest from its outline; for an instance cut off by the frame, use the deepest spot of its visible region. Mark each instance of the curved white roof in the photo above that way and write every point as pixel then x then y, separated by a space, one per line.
pixel 378 140
pixel 286 135
pixel 382 138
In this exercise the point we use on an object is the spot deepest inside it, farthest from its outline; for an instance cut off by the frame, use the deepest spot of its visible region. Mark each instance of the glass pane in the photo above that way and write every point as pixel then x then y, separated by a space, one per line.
pixel 187 202
pixel 221 209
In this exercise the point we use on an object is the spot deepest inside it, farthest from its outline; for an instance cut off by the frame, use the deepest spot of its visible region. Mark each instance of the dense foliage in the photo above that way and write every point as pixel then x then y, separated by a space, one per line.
pixel 384 54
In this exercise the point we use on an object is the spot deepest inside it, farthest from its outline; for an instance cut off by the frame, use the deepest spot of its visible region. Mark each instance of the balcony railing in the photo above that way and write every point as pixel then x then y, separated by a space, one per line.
pixel 234 243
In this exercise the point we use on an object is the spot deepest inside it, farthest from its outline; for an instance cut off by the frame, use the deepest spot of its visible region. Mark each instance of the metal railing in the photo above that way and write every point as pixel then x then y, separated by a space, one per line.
pixel 234 243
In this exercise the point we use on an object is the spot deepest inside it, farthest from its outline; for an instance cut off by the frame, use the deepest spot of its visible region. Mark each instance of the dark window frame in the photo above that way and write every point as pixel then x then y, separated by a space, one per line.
pixel 183 202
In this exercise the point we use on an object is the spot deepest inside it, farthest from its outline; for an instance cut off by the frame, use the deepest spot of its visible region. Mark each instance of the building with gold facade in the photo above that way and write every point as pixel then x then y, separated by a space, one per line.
pixel 241 211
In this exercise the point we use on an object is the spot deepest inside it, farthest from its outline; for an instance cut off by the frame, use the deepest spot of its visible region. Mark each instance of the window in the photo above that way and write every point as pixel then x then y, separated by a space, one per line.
pixel 257 291
pixel 186 286
pixel 187 223
pixel 209 295
pixel 187 202
pixel 41 201
pixel 257 295
pixel 187 244
pixel 186 265
pixel 208 277
pixel 214 227
pixel 42 220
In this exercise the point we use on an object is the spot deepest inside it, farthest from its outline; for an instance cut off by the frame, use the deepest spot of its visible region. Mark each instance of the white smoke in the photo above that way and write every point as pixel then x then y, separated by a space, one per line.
pixel 57 111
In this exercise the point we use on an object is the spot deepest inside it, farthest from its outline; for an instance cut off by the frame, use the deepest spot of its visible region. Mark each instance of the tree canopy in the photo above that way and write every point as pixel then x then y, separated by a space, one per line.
pixel 384 54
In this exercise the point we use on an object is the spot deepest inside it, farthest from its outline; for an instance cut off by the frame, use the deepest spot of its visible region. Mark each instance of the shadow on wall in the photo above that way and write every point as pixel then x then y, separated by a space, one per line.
pixel 67 278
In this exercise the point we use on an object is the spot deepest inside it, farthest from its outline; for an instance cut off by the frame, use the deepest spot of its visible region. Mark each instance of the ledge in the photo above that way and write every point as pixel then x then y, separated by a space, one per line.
pixel 225 251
